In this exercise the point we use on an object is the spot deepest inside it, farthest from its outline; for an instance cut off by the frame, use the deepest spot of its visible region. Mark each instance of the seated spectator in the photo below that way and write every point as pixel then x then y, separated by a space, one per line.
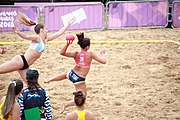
pixel 9 108
pixel 80 113
pixel 34 96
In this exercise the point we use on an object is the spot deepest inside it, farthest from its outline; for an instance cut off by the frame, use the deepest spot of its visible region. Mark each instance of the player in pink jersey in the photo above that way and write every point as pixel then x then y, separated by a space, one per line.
pixel 83 60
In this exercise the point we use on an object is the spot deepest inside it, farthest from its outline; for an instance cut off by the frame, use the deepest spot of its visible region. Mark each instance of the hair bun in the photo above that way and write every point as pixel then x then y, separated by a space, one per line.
pixel 80 37
pixel 78 94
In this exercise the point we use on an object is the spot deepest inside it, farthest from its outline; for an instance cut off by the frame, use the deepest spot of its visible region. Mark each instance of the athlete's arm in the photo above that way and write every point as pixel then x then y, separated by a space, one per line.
pixel 67 54
pixel 60 31
pixel 101 58
pixel 90 116
pixel 16 112
pixel 25 36
pixel 20 101
pixel 47 107
pixel 70 116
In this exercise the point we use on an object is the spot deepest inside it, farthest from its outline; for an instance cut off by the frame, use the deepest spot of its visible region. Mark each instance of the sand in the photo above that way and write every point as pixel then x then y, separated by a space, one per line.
pixel 141 81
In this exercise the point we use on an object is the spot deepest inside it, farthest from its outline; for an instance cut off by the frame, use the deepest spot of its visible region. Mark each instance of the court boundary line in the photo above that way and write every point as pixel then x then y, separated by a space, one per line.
pixel 102 42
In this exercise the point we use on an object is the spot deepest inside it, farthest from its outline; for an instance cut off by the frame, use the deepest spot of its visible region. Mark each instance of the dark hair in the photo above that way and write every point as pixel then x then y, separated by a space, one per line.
pixel 83 41
pixel 14 89
pixel 38 27
pixel 79 98
pixel 32 80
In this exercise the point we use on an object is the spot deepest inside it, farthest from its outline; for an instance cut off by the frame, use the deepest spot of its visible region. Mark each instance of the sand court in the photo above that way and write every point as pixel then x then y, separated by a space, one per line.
pixel 141 80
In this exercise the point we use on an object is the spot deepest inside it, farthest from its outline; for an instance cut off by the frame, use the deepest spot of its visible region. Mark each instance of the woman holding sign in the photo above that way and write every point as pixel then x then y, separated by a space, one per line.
pixel 83 60
pixel 21 63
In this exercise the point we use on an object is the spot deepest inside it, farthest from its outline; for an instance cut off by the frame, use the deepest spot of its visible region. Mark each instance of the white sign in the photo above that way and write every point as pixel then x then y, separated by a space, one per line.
pixel 79 15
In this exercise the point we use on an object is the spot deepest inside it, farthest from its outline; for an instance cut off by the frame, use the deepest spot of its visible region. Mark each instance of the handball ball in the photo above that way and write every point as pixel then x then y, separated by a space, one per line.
pixel 70 37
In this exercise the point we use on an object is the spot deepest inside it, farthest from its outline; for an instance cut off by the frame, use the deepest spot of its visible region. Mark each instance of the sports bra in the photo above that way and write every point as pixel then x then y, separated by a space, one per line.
pixel 81 61
pixel 1 116
pixel 39 47
pixel 81 114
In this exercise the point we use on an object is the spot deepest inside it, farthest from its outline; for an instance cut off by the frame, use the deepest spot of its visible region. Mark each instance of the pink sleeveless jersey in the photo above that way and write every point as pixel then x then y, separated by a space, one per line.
pixel 81 61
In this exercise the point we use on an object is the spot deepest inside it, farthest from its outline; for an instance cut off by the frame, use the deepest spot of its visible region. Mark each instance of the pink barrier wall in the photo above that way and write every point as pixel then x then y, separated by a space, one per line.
pixel 53 11
pixel 94 16
pixel 137 14
pixel 121 14
pixel 8 16
pixel 176 14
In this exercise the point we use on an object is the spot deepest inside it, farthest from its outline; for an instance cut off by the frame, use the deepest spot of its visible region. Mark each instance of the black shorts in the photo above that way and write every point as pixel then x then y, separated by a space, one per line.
pixel 25 66
pixel 73 77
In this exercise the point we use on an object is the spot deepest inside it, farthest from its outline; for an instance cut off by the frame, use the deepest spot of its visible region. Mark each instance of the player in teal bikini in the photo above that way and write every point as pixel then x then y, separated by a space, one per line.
pixel 21 63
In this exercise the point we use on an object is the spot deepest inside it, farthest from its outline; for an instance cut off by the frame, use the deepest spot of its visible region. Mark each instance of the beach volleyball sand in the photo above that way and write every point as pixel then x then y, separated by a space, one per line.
pixel 141 81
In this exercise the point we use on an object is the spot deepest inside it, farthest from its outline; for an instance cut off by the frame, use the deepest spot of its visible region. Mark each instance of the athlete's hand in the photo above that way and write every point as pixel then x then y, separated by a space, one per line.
pixel 71 21
pixel 103 50
pixel 46 81
pixel 69 42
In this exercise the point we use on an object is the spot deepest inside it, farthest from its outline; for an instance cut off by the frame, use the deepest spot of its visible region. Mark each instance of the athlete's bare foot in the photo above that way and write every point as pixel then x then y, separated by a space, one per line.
pixel 47 81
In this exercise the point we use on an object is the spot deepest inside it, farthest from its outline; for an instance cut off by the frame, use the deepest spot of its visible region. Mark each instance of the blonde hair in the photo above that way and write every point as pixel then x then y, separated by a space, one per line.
pixel 23 19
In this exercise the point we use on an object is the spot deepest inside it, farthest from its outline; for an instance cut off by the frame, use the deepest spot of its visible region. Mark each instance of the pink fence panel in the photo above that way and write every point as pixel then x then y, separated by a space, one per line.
pixel 176 14
pixel 8 15
pixel 137 14
pixel 91 19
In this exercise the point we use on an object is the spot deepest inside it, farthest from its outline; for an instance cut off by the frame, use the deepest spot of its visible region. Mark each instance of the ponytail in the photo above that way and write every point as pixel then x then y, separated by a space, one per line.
pixel 23 19
pixel 80 37
pixel 14 89
pixel 82 41
pixel 33 86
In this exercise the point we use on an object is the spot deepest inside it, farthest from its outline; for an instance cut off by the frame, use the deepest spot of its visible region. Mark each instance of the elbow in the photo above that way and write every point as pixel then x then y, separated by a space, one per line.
pixel 61 53
pixel 104 62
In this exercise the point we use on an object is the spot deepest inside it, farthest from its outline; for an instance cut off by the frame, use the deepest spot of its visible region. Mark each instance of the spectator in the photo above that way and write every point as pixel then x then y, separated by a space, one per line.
pixel 35 96
pixel 9 108
pixel 80 113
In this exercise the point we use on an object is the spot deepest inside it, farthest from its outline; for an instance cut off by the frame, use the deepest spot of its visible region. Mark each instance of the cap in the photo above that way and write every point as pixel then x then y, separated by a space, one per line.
pixel 32 75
